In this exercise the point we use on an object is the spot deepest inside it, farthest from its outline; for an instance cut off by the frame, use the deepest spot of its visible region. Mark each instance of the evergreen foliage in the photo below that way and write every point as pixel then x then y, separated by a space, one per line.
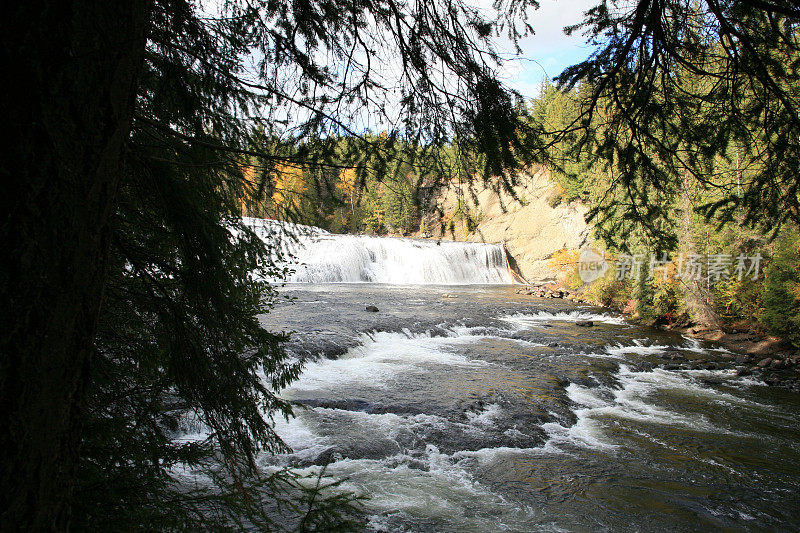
pixel 180 335
pixel 672 88
pixel 258 102
pixel 781 291
pixel 680 133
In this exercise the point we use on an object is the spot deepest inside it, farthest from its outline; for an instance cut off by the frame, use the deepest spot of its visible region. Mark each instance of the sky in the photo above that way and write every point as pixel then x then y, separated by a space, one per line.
pixel 544 54
pixel 549 51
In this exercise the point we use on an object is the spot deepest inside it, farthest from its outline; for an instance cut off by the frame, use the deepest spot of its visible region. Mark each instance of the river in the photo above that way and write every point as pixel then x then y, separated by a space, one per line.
pixel 484 410
pixel 462 406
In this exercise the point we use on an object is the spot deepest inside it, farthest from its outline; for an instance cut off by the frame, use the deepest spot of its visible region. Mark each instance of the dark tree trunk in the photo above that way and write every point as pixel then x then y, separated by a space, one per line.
pixel 71 69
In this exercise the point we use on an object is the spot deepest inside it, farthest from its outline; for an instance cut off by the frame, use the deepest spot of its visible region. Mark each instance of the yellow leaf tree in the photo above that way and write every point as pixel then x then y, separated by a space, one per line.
pixel 289 188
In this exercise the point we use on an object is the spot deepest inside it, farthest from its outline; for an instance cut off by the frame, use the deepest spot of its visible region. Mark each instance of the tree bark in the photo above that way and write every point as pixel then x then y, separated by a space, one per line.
pixel 72 69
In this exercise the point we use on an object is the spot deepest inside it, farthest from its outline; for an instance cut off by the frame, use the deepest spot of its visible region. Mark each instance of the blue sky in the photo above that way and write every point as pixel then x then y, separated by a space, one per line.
pixel 549 51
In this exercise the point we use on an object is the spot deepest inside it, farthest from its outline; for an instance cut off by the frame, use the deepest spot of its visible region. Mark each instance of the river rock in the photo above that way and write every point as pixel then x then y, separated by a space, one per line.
pixel 372 309
pixel 331 455
pixel 777 364
pixel 331 351
pixel 672 355
pixel 584 323
pixel 764 363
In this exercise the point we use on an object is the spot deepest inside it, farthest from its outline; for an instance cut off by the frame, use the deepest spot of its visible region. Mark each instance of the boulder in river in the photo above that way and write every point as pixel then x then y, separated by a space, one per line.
pixel 672 355
pixel 584 323
pixel 372 309
pixel 777 364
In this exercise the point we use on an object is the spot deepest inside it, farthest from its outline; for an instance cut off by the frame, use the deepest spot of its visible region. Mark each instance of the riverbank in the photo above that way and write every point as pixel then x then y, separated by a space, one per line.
pixel 772 359
pixel 746 351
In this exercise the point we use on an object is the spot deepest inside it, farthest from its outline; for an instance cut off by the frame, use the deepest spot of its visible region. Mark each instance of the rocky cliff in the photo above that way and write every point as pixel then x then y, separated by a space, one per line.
pixel 532 222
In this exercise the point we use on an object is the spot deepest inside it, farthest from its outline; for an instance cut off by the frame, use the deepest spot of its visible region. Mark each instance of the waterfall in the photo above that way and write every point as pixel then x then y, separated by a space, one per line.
pixel 317 256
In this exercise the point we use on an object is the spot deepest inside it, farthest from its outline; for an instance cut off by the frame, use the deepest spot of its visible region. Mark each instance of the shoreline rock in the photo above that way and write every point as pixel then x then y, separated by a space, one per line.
pixel 771 359
pixel 543 291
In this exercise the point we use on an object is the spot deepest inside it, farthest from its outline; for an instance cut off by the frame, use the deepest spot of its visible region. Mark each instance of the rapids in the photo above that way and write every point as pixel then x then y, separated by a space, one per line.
pixel 490 411
pixel 493 412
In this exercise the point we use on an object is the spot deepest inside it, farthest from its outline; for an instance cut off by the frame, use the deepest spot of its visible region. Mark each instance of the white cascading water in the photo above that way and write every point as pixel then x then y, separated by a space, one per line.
pixel 317 256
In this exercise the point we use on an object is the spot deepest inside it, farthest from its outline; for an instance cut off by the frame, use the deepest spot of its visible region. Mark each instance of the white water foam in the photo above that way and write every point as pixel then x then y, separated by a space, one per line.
pixel 632 401
pixel 304 443
pixel 393 428
pixel 638 348
pixel 424 483
pixel 527 320
pixel 415 481
pixel 420 482
pixel 586 432
pixel 694 345
pixel 317 256
pixel 380 357
pixel 484 418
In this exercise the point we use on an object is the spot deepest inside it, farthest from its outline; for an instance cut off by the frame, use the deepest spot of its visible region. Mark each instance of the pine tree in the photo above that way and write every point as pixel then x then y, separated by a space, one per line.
pixel 125 274
pixel 685 81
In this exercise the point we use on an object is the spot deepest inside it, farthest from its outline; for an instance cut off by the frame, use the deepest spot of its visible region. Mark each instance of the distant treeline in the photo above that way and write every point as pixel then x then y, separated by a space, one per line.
pixel 371 184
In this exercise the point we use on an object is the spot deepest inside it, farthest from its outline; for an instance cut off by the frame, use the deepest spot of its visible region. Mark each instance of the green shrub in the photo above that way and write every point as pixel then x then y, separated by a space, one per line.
pixel 665 300
pixel 608 290
pixel 781 289
pixel 572 279
pixel 736 298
